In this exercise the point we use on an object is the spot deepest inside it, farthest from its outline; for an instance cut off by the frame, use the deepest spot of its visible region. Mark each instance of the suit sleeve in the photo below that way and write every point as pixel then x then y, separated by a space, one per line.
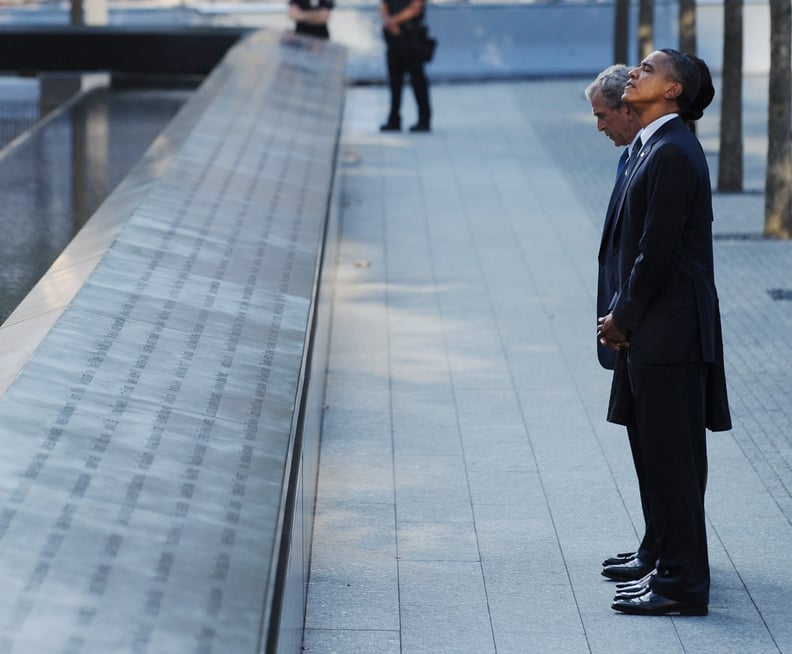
pixel 670 188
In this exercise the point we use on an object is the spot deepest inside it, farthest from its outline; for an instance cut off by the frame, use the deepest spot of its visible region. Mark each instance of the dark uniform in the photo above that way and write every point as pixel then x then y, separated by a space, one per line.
pixel 319 31
pixel 403 57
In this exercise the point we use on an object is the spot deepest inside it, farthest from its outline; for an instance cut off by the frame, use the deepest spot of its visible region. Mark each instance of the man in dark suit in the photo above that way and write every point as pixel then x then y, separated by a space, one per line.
pixel 620 123
pixel 664 324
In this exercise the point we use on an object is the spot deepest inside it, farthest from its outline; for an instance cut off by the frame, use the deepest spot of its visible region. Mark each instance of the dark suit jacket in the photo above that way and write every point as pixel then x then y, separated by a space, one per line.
pixel 607 274
pixel 657 248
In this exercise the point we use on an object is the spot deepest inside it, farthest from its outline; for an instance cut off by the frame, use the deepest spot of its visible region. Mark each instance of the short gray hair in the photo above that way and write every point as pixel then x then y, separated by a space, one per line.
pixel 610 83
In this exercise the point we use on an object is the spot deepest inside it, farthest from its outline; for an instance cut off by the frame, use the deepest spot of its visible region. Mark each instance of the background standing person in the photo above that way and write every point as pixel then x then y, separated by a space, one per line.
pixel 403 26
pixel 311 17
pixel 620 123
pixel 664 322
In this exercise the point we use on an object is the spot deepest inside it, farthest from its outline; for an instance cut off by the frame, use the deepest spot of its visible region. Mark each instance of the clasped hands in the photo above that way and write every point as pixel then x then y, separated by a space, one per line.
pixel 609 333
pixel 392 26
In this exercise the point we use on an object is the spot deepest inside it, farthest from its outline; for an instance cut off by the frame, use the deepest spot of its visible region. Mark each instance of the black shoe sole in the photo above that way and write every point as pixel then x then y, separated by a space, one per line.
pixel 639 573
pixel 679 610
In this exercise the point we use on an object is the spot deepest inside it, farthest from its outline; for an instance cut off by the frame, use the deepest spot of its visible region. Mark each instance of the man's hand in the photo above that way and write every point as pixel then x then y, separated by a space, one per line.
pixel 392 26
pixel 609 334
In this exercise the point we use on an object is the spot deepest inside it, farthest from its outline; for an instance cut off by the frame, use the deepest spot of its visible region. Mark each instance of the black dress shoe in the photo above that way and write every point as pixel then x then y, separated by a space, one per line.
pixel 630 571
pixel 420 127
pixel 631 592
pixel 653 604
pixel 635 589
pixel 621 557
pixel 643 581
pixel 390 126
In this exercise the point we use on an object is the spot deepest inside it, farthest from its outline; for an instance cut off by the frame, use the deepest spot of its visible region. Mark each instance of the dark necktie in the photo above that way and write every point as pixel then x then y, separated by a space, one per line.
pixel 622 163
pixel 636 149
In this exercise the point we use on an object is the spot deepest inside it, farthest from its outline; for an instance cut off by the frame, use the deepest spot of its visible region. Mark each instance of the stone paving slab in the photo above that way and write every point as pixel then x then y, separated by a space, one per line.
pixel 469 485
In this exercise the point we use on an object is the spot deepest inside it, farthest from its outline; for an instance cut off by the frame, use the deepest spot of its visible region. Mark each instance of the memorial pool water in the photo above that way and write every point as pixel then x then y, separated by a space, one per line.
pixel 55 176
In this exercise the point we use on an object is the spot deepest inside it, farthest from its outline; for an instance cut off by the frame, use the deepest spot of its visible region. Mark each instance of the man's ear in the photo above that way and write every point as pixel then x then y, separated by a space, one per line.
pixel 673 91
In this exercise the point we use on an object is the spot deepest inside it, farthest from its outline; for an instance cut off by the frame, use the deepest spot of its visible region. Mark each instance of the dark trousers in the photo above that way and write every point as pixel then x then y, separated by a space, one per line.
pixel 647 550
pixel 398 66
pixel 669 412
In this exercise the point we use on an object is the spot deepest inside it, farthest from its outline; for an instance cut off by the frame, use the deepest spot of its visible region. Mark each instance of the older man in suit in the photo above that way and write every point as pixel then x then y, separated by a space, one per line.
pixel 619 122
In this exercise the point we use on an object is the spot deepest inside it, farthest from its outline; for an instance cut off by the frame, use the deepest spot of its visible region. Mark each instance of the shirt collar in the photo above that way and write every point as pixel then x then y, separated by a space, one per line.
pixel 647 132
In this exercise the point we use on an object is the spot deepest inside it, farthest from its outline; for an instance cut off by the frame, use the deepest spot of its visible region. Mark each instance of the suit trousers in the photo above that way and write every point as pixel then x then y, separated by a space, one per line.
pixel 669 413
pixel 647 550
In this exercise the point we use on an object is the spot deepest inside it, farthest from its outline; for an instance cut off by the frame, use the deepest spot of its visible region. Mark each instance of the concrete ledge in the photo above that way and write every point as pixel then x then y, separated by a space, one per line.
pixel 185 50
pixel 154 450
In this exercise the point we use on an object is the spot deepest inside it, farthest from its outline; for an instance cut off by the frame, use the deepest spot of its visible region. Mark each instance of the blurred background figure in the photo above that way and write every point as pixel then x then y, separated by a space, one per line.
pixel 311 17
pixel 404 30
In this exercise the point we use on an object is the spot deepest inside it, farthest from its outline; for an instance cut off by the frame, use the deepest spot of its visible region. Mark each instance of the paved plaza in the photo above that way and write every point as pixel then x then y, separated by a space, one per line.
pixel 469 484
